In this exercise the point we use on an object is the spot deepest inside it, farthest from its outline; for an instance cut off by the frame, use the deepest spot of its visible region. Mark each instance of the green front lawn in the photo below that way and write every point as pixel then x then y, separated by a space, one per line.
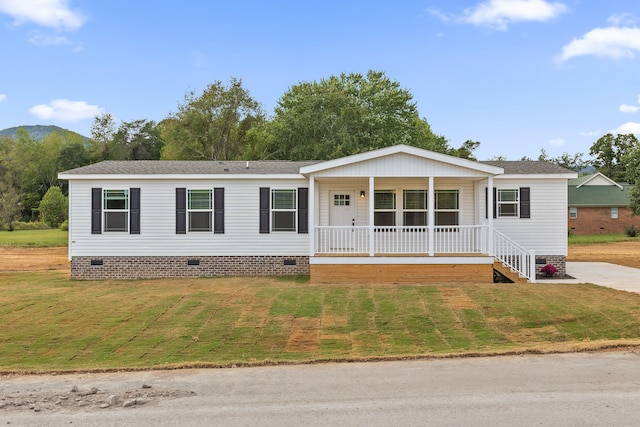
pixel 34 238
pixel 50 323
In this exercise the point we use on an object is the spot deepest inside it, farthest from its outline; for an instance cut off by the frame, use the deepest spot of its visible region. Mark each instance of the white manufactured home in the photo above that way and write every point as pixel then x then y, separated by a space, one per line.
pixel 397 214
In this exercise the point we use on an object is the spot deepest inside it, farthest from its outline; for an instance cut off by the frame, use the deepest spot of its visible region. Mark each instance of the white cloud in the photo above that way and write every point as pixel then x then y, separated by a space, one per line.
pixel 48 13
pixel 612 42
pixel 620 19
pixel 591 133
pixel 3 97
pixel 559 142
pixel 499 14
pixel 43 40
pixel 66 110
pixel 629 127
pixel 444 17
pixel 629 108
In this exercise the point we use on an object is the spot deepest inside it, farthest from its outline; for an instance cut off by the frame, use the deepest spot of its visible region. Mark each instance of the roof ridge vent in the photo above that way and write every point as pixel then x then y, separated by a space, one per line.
pixel 247 167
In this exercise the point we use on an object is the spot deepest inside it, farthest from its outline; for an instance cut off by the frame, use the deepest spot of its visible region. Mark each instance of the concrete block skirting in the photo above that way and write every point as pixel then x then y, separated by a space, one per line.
pixel 149 267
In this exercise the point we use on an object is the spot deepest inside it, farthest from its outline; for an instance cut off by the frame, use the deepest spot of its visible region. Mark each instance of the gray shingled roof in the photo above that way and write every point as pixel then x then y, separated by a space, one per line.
pixel 527 167
pixel 204 167
pixel 189 167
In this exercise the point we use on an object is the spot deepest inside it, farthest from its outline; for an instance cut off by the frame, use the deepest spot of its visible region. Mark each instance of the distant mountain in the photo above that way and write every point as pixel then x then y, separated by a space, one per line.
pixel 38 132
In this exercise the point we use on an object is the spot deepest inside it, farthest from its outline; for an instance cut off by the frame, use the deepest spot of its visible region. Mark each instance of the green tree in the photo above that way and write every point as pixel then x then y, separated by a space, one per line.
pixel 102 131
pixel 632 160
pixel 611 153
pixel 466 150
pixel 53 207
pixel 212 126
pixel 137 140
pixel 345 115
pixel 574 162
pixel 9 206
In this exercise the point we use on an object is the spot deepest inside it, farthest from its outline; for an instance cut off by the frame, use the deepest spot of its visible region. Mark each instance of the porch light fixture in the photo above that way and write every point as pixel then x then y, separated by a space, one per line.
pixel 362 194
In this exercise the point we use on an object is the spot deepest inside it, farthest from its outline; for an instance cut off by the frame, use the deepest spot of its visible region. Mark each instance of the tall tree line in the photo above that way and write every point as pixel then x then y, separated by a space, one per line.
pixel 320 120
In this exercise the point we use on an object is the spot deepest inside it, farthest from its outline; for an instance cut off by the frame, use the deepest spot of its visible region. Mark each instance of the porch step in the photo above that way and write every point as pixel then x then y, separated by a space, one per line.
pixel 506 271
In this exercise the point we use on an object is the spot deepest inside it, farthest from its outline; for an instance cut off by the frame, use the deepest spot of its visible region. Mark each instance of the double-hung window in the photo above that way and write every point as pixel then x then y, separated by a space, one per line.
pixel 384 206
pixel 414 207
pixel 116 210
pixel 573 212
pixel 447 208
pixel 508 200
pixel 283 210
pixel 199 208
pixel 614 212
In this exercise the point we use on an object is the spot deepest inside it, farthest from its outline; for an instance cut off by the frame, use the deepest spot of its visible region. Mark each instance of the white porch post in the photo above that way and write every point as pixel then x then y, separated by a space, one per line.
pixel 312 216
pixel 490 214
pixel 371 216
pixel 431 207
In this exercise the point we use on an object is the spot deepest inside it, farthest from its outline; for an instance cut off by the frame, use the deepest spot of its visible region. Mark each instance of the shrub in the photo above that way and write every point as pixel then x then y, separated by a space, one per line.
pixel 36 225
pixel 631 231
pixel 53 207
pixel 549 269
pixel 65 225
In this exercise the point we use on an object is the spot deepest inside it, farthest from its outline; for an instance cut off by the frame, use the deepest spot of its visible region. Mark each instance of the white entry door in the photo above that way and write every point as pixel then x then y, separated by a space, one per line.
pixel 342 213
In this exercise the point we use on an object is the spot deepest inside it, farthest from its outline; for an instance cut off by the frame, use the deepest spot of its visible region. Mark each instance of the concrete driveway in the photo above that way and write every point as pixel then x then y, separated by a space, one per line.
pixel 605 274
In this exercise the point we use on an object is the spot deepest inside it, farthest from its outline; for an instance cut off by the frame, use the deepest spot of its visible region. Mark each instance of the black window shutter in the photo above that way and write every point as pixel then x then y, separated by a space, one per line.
pixel 96 211
pixel 265 193
pixel 218 210
pixel 525 202
pixel 303 210
pixel 134 211
pixel 486 203
pixel 181 211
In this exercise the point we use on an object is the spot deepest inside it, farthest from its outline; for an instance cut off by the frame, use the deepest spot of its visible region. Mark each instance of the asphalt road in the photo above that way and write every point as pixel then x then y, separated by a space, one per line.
pixel 561 390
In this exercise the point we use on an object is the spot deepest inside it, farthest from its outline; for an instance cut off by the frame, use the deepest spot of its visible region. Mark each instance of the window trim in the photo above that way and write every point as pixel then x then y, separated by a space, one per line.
pixel 190 210
pixel 392 210
pixel 573 212
pixel 423 210
pixel 617 212
pixel 515 203
pixel 106 211
pixel 274 211
pixel 455 210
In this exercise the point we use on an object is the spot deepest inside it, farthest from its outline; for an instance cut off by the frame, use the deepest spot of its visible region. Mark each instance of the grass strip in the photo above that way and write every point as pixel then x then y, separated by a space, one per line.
pixel 50 323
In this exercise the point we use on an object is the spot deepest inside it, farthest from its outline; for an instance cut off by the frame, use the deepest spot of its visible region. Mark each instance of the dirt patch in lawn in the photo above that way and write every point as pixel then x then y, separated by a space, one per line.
pixel 621 253
pixel 33 259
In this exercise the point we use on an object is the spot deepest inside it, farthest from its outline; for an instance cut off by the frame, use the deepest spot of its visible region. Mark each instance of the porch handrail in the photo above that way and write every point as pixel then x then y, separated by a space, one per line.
pixel 348 239
pixel 515 256
pixel 465 239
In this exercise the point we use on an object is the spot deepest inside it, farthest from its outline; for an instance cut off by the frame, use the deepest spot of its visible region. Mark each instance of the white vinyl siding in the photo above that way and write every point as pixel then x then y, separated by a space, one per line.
pixel 546 230
pixel 158 221
pixel 401 165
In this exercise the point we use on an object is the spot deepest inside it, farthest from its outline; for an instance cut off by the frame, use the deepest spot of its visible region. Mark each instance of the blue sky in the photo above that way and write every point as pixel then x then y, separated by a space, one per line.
pixel 516 75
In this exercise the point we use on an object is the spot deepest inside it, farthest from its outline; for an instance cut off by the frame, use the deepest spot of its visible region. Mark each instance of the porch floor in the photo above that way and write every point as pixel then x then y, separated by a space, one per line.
pixel 401 269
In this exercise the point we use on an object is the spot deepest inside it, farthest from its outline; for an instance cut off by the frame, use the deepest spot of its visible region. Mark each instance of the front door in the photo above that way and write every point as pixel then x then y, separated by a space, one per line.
pixel 342 213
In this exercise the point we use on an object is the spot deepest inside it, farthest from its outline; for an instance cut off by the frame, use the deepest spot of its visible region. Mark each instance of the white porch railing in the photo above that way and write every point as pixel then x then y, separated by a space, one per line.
pixel 342 240
pixel 470 239
pixel 514 256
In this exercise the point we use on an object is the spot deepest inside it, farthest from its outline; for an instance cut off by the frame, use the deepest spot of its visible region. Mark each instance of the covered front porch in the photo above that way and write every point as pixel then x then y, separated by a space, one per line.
pixel 404 214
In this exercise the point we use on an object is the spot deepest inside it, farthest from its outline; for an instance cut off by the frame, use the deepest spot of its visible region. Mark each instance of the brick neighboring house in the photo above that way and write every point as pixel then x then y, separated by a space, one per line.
pixel 599 205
